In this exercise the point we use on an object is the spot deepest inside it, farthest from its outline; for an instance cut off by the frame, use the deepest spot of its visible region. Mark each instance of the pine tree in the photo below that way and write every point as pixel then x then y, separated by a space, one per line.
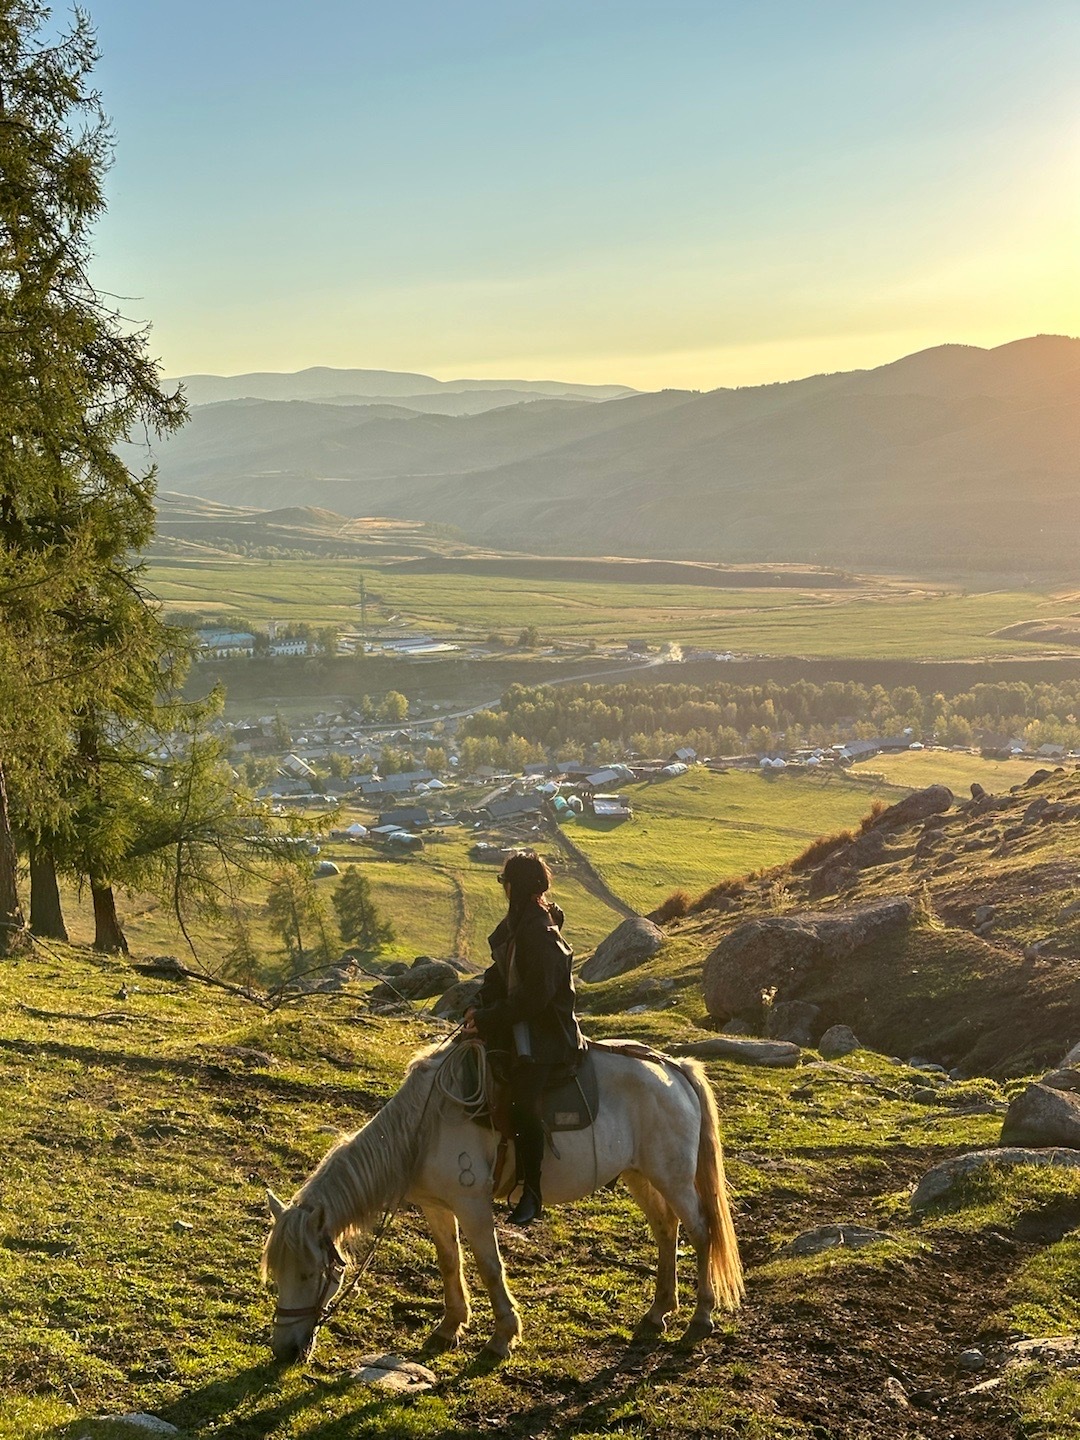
pixel 296 910
pixel 358 917
pixel 75 382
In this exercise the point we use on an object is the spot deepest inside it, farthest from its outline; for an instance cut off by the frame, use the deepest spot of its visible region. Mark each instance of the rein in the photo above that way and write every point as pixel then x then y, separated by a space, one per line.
pixel 322 1308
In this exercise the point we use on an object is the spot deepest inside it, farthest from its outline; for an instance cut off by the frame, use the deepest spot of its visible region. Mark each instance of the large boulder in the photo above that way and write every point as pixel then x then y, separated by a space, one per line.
pixel 771 1053
pixel 628 946
pixel 1043 1116
pixel 934 800
pixel 453 1003
pixel 782 952
pixel 838 1040
pixel 422 982
pixel 937 1183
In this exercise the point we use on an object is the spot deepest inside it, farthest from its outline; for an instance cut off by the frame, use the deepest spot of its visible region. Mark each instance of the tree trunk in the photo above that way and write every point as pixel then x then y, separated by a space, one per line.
pixel 46 915
pixel 12 925
pixel 108 935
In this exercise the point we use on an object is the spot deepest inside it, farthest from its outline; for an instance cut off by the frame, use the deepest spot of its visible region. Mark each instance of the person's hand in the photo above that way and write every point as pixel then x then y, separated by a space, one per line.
pixel 468 1025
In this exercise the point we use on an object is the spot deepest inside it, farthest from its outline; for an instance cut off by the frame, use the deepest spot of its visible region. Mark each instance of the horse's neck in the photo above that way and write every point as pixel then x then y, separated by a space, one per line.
pixel 369 1173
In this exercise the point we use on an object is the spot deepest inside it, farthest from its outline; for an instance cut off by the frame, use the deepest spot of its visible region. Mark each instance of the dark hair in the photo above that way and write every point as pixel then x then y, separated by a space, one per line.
pixel 526 875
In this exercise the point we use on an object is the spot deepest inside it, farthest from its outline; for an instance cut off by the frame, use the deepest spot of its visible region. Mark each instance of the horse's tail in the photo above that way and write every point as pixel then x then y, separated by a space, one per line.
pixel 711 1186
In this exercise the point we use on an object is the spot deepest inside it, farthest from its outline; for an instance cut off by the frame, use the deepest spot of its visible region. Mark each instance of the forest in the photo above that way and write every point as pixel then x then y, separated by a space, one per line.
pixel 727 718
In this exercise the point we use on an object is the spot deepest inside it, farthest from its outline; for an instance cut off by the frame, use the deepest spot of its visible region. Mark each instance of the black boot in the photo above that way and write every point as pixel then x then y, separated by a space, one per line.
pixel 529 1144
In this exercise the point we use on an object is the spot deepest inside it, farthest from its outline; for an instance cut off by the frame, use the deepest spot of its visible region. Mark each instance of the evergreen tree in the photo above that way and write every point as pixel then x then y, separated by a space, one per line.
pixel 296 910
pixel 75 382
pixel 358 917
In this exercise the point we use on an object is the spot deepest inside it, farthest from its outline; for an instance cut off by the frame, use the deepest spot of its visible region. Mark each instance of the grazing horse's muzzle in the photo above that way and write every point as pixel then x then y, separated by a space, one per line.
pixel 294 1326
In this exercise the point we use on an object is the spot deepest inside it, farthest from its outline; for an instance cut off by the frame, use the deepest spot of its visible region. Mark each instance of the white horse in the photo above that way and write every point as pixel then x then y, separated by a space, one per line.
pixel 656 1128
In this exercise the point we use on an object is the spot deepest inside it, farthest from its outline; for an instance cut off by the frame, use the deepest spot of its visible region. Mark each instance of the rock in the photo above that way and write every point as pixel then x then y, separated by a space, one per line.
pixel 1056 1352
pixel 894 1391
pixel 183 1227
pixel 739 1027
pixel 977 791
pixel 628 946
pixel 139 1422
pixel 773 1053
pixel 941 1179
pixel 929 1067
pixel 1043 1116
pixel 971 1360
pixel 1064 1079
pixel 1069 911
pixel 1035 810
pixel 1036 778
pixel 637 1010
pixel 934 800
pixel 838 1040
pixel 421 982
pixel 393 1372
pixel 829 1237
pixel 452 1003
pixel 782 952
pixel 1072 1058
pixel 984 914
pixel 791 1020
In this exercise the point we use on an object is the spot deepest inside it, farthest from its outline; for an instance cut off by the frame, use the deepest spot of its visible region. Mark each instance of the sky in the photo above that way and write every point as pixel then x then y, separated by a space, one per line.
pixel 686 193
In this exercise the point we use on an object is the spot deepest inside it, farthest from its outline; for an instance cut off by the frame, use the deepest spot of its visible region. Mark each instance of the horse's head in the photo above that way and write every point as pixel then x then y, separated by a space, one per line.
pixel 303 1261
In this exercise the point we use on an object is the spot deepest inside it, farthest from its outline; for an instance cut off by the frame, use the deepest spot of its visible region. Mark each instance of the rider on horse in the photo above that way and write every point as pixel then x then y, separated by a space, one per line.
pixel 525 1010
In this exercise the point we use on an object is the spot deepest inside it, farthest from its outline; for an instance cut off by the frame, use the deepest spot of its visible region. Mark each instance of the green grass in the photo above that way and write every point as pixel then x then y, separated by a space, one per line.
pixel 692 831
pixel 883 620
pixel 919 768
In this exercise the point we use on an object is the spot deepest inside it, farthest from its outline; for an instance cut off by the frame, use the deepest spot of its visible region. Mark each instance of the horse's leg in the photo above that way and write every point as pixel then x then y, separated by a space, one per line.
pixel 444 1229
pixel 478 1226
pixel 683 1199
pixel 664 1224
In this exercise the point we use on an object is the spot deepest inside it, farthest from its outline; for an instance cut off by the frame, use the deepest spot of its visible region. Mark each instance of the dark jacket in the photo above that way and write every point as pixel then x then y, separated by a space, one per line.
pixel 531 980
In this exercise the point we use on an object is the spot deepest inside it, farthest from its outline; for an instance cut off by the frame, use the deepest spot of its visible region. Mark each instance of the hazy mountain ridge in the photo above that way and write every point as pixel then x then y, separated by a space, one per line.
pixel 322 382
pixel 954 457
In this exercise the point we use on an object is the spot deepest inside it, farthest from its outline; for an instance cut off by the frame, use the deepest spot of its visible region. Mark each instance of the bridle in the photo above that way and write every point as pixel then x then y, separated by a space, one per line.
pixel 320 1309
pixel 323 1307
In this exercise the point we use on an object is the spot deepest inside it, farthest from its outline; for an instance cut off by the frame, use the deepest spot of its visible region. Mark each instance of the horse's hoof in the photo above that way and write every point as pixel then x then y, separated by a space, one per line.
pixel 649 1328
pixel 698 1330
pixel 497 1349
pixel 438 1343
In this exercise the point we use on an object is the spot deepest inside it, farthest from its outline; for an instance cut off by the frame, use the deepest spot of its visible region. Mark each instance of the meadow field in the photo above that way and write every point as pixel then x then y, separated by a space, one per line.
pixel 876 621
pixel 690 832
pixel 957 769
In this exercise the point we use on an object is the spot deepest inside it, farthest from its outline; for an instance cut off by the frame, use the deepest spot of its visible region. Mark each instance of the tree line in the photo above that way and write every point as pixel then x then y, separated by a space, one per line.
pixel 724 717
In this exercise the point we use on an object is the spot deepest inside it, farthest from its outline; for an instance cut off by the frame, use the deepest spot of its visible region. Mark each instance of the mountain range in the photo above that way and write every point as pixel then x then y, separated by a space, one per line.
pixel 953 459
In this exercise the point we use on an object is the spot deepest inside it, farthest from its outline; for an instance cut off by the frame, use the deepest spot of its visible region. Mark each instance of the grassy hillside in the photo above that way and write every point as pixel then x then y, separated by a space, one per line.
pixel 956 769
pixel 133 1212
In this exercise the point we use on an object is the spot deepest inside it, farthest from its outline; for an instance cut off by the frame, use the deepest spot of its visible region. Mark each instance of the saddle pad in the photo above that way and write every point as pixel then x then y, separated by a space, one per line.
pixel 574 1104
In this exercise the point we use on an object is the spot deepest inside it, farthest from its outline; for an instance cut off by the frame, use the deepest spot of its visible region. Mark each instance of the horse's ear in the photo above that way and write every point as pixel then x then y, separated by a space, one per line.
pixel 277 1208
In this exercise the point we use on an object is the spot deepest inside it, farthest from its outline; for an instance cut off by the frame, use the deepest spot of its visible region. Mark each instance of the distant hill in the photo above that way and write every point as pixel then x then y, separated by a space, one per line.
pixel 953 459
pixel 347 387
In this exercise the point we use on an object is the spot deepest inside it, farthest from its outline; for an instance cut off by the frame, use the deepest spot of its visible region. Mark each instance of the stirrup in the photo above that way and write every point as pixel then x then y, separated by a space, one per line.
pixel 528 1208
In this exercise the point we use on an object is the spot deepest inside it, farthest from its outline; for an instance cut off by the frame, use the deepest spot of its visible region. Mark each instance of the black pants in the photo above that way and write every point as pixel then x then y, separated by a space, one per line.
pixel 528 1081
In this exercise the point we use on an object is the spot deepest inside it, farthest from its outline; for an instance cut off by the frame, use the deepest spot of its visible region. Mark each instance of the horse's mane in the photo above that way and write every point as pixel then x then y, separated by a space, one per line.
pixel 365 1173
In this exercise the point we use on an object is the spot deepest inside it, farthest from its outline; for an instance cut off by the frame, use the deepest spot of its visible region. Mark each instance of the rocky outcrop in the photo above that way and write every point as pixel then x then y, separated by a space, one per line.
pixel 771 1053
pixel 1042 1116
pixel 937 1183
pixel 628 946
pixel 934 800
pixel 422 982
pixel 782 953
